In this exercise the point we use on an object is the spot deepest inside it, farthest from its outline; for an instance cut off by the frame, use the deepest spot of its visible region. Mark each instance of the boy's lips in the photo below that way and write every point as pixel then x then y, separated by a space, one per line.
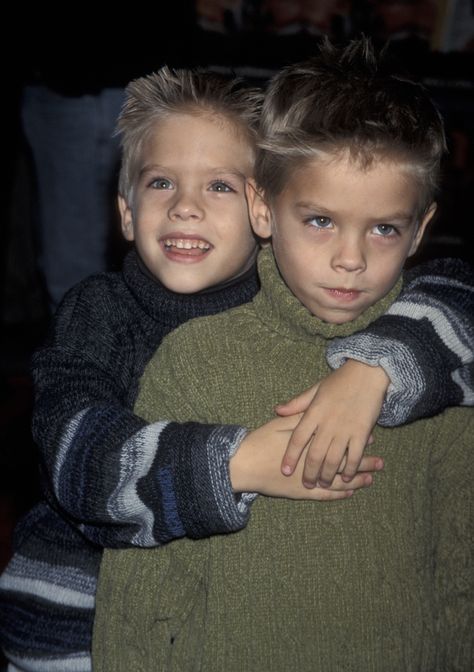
pixel 179 246
pixel 343 294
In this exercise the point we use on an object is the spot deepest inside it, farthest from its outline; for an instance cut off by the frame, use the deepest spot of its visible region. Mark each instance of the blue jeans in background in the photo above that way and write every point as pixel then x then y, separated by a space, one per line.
pixel 76 163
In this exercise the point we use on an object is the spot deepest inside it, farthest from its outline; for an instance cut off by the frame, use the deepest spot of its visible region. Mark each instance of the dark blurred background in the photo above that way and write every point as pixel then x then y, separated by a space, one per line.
pixel 72 53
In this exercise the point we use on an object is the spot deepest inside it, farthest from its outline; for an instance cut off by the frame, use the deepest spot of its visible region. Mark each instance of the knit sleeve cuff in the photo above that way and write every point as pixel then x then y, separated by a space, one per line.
pixel 238 505
pixel 206 501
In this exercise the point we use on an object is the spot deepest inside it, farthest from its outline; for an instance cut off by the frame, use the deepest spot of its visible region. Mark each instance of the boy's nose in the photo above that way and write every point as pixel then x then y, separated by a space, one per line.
pixel 349 255
pixel 186 206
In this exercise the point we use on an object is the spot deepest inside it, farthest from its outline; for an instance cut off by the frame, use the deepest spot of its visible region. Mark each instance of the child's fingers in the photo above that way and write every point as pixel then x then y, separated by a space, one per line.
pixel 360 480
pixel 323 460
pixel 313 462
pixel 290 458
pixel 298 404
pixel 324 495
pixel 339 489
pixel 285 423
pixel 370 463
pixel 332 462
pixel 354 456
pixel 315 454
pixel 300 438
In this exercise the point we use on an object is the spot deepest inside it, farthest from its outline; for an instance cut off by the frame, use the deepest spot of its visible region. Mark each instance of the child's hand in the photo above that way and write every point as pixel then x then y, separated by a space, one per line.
pixel 256 466
pixel 340 413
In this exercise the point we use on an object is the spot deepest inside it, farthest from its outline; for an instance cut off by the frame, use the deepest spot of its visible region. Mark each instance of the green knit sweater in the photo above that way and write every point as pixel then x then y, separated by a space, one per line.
pixel 380 582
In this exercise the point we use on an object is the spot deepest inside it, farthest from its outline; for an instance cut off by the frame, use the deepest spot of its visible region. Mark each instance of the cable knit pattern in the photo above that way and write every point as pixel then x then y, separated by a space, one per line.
pixel 112 480
pixel 382 581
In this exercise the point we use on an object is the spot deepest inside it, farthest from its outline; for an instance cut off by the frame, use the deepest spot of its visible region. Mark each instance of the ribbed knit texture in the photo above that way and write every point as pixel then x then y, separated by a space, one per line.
pixel 380 582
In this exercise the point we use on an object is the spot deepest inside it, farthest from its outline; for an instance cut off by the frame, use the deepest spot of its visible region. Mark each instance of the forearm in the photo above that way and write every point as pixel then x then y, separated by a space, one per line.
pixel 120 480
pixel 198 457
pixel 425 344
pixel 124 482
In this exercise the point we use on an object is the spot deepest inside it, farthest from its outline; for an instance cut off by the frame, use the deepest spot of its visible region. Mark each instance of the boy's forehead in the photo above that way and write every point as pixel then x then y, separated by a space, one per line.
pixel 201 122
pixel 214 138
pixel 354 161
pixel 339 182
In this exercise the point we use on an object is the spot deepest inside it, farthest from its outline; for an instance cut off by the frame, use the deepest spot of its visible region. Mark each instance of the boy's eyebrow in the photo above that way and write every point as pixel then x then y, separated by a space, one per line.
pixel 229 171
pixel 151 168
pixel 402 218
pixel 399 217
pixel 308 205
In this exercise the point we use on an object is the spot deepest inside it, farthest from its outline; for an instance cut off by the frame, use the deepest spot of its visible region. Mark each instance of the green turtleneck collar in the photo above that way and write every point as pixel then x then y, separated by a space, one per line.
pixel 277 305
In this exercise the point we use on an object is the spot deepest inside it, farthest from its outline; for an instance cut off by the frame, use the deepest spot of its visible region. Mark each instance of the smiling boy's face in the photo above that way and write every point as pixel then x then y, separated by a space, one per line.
pixel 341 233
pixel 189 218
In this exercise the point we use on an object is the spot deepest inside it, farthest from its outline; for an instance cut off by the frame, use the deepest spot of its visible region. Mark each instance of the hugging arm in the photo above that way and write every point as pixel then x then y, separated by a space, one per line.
pixel 118 479
pixel 414 361
pixel 425 343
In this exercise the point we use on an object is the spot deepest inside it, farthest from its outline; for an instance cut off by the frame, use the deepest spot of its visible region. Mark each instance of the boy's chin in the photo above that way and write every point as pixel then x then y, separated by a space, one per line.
pixel 181 284
pixel 185 287
pixel 336 316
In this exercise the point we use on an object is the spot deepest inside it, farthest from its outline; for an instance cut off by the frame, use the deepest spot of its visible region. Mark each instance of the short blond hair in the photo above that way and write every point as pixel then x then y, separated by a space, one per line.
pixel 154 97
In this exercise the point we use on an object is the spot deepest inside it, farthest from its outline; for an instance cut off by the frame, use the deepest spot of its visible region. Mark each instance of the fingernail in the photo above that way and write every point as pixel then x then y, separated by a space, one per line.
pixel 286 469
pixel 349 493
pixel 308 485
pixel 323 484
pixel 346 478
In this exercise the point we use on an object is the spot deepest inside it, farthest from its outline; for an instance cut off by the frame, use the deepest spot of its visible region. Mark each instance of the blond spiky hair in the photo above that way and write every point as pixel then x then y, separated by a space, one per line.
pixel 154 97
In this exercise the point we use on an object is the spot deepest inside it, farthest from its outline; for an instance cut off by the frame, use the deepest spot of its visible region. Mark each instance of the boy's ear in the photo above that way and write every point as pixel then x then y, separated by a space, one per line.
pixel 260 214
pixel 422 228
pixel 126 219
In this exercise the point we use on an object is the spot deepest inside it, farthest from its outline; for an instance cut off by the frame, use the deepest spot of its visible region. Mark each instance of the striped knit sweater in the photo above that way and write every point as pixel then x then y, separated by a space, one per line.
pixel 111 480
pixel 383 581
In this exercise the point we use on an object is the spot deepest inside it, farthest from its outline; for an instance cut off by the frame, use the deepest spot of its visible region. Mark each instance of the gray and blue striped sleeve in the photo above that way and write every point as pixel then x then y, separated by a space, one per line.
pixel 425 343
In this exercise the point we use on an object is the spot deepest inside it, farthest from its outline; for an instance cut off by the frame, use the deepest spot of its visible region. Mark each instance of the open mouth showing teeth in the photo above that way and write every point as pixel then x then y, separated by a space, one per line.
pixel 186 244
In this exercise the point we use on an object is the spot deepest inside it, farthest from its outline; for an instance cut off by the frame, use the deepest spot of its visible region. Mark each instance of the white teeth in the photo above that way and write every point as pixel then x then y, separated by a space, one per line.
pixel 186 244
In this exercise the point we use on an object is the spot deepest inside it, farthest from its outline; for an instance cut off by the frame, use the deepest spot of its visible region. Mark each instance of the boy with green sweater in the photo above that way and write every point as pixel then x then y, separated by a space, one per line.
pixel 344 188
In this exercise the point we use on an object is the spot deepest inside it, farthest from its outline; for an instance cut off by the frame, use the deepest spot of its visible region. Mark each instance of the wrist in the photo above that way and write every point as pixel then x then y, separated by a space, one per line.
pixel 373 375
pixel 238 467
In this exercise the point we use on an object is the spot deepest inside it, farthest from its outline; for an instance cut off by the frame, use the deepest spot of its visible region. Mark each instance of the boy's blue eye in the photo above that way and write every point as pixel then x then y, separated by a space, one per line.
pixel 161 183
pixel 319 222
pixel 385 230
pixel 221 187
